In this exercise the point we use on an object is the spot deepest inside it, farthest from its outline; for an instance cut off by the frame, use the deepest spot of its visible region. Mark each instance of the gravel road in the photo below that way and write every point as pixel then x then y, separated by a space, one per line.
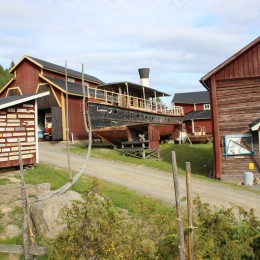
pixel 150 182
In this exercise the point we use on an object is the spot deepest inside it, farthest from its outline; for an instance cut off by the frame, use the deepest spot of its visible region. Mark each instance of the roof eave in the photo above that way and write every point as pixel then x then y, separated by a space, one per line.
pixel 26 99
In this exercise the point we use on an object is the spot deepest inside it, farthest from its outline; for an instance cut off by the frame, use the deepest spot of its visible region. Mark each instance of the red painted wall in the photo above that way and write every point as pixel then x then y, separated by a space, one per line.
pixel 206 123
pixel 76 123
pixel 27 77
pixel 190 107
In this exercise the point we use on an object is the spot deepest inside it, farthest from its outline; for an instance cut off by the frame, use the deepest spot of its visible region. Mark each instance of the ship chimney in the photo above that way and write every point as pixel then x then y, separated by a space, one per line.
pixel 144 76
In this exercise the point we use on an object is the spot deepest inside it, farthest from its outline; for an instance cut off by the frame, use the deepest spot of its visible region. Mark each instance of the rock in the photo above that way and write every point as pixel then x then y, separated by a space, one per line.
pixel 45 214
pixel 43 188
pixel 11 231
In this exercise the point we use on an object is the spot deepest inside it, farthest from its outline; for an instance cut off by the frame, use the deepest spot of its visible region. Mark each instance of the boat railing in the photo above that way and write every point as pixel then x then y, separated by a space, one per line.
pixel 128 101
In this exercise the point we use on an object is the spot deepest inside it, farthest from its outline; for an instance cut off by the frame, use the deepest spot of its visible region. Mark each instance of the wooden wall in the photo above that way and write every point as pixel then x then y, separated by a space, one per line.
pixel 238 102
pixel 76 123
pixel 246 65
pixel 206 123
pixel 17 122
pixel 27 77
pixel 190 107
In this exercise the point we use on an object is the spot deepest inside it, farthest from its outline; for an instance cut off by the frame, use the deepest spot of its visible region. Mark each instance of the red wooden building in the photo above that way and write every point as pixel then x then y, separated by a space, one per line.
pixel 18 120
pixel 196 106
pixel 32 75
pixel 234 88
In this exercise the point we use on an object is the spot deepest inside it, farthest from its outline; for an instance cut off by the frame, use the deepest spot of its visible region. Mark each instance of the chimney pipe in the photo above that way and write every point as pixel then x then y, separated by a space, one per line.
pixel 144 76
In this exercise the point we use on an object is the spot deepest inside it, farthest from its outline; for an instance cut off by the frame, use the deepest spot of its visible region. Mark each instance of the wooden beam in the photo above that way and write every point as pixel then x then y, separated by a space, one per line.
pixel 17 249
pixel 215 128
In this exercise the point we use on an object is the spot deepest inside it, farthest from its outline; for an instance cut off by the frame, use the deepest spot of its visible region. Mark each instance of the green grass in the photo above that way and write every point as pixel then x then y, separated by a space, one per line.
pixel 199 155
pixel 16 215
pixel 121 197
pixel 4 181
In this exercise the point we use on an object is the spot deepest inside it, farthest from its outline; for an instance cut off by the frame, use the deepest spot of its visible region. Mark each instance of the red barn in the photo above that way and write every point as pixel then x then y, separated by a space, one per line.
pixel 234 88
pixel 32 75
pixel 196 106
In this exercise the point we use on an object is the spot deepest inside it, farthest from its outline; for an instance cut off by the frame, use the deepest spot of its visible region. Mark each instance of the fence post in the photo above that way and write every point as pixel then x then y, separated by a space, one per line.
pixel 189 206
pixel 178 208
pixel 24 206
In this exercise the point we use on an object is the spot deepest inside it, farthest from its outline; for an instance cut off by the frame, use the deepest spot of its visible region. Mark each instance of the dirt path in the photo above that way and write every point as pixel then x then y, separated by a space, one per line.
pixel 150 182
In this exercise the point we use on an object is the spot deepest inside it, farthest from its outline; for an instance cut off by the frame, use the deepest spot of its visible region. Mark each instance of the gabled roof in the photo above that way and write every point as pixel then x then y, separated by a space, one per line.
pixel 198 115
pixel 15 100
pixel 200 97
pixel 60 69
pixel 133 86
pixel 228 61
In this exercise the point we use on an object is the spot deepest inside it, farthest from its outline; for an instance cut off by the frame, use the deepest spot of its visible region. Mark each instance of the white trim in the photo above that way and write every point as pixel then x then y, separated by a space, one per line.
pixel 206 106
pixel 255 127
pixel 25 99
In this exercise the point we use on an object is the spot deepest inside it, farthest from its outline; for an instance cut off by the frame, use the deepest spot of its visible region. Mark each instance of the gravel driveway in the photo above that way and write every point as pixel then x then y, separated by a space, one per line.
pixel 150 182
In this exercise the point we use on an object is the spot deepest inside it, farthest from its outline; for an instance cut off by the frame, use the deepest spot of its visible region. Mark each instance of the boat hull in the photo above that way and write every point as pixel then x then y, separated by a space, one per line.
pixel 115 124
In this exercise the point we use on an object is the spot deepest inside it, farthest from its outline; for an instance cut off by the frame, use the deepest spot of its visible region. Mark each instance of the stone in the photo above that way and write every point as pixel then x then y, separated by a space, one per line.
pixel 46 213
pixel 43 188
pixel 11 231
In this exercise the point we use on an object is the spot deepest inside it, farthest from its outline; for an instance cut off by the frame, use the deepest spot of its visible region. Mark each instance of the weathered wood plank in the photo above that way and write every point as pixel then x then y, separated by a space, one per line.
pixel 17 249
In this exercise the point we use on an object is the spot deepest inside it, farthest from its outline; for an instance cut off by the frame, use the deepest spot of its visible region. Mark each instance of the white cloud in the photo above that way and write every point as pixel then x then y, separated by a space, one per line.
pixel 180 40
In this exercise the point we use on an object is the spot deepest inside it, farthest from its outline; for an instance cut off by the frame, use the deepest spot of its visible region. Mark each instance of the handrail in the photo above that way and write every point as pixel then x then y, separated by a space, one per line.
pixel 122 100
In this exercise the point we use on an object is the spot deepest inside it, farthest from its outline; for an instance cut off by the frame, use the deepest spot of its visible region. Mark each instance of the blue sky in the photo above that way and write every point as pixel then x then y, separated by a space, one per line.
pixel 180 41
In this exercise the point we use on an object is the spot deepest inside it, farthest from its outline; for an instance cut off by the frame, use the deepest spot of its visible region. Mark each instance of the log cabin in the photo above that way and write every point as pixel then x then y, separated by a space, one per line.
pixel 234 88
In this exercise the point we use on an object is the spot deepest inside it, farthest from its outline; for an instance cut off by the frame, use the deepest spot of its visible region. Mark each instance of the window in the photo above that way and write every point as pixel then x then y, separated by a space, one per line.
pixel 71 80
pixel 206 106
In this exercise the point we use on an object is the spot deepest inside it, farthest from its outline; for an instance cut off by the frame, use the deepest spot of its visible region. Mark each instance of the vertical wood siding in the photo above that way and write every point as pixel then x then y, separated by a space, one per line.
pixel 76 123
pixel 27 77
pixel 246 65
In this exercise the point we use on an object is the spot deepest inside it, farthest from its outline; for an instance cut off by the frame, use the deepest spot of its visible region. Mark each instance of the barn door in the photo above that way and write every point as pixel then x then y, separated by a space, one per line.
pixel 154 137
pixel 56 123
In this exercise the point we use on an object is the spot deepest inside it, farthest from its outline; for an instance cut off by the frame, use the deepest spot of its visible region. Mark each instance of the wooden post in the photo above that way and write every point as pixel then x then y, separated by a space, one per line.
pixel 178 207
pixel 67 123
pixel 24 205
pixel 189 206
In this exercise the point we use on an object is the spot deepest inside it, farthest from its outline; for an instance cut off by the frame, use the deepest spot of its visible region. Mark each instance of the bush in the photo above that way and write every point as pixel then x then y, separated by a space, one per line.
pixel 231 233
pixel 98 230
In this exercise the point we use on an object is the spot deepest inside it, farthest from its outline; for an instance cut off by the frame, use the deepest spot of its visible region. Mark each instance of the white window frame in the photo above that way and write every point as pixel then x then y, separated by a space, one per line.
pixel 206 106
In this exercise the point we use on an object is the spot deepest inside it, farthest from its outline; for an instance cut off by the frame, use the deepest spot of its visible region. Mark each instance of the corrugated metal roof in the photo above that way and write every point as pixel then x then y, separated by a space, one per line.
pixel 200 97
pixel 61 69
pixel 196 115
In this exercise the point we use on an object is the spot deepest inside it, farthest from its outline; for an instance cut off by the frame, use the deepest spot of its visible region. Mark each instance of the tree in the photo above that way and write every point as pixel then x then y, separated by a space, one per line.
pixel 5 76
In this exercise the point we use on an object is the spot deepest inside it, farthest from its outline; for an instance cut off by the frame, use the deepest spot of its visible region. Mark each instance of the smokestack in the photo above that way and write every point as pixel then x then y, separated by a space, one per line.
pixel 144 76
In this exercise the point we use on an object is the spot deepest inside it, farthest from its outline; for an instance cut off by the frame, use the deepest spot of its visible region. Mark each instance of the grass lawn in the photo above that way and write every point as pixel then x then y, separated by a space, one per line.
pixel 121 197
pixel 199 155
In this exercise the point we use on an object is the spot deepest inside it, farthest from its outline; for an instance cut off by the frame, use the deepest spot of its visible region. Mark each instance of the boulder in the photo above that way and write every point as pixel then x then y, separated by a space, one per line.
pixel 46 213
